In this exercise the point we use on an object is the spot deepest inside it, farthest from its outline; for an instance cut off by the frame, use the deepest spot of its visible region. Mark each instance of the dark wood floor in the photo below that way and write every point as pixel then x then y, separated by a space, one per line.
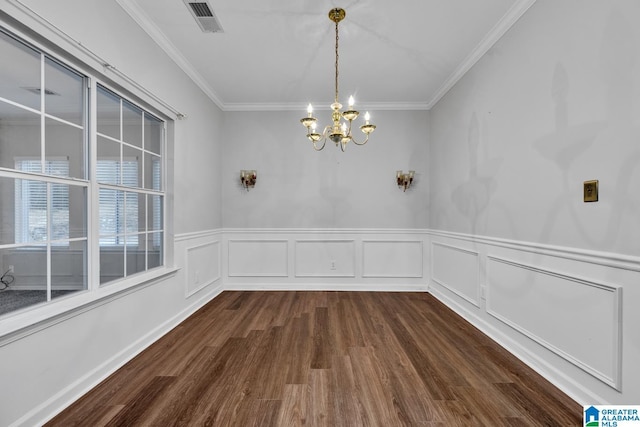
pixel 324 359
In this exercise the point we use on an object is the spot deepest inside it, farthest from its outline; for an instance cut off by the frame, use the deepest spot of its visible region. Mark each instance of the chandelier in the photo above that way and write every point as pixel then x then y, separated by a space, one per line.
pixel 340 131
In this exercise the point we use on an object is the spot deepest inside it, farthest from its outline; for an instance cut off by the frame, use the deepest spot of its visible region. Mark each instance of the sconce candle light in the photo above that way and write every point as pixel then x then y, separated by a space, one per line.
pixel 404 180
pixel 248 178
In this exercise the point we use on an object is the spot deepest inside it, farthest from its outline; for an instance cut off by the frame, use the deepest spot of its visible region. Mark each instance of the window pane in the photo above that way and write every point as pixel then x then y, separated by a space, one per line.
pixel 108 172
pixel 19 134
pixel 131 124
pixel 31 198
pixel 20 72
pixel 28 283
pixel 108 166
pixel 111 216
pixel 111 263
pixel 59 211
pixel 155 212
pixel 64 92
pixel 154 246
pixel 136 256
pixel 68 271
pixel 131 215
pixel 153 175
pixel 77 212
pixel 108 111
pixel 152 133
pixel 30 211
pixel 8 187
pixel 142 213
pixel 68 212
pixel 132 162
pixel 64 141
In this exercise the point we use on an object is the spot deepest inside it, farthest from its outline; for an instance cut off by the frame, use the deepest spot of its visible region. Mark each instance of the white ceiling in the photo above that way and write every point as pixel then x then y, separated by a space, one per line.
pixel 279 54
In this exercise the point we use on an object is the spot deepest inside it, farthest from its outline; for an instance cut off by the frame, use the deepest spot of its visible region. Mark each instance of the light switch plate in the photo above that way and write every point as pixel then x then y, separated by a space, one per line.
pixel 591 191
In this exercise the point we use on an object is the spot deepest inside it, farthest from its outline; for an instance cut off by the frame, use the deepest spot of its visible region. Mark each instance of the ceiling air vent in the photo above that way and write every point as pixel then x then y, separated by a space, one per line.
pixel 204 16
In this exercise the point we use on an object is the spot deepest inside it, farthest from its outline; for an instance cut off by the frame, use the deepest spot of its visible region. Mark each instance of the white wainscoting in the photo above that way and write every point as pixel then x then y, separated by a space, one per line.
pixel 456 269
pixel 382 260
pixel 576 318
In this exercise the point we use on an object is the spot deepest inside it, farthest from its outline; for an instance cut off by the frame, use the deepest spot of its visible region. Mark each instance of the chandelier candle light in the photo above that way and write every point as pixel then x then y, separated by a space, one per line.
pixel 339 132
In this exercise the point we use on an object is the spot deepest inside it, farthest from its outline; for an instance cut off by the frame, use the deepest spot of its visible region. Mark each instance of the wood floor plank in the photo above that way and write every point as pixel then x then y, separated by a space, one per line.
pixel 259 413
pixel 319 406
pixel 298 351
pixel 321 352
pixel 324 359
pixel 347 409
pixel 294 410
pixel 346 332
pixel 134 412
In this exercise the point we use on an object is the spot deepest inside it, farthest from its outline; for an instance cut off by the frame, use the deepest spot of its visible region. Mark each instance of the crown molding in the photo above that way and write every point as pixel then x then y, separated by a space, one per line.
pixel 322 106
pixel 506 22
pixel 492 37
pixel 143 20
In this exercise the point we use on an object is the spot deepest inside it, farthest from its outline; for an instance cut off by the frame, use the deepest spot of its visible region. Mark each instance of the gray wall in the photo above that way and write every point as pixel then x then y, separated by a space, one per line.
pixel 298 187
pixel 552 104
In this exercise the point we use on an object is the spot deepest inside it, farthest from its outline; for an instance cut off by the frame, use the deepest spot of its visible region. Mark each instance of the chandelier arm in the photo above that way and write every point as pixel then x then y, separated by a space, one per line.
pixel 324 142
pixel 349 129
pixel 360 143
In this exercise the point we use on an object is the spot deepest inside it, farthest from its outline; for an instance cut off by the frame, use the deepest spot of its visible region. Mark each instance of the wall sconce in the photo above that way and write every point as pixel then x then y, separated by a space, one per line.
pixel 248 178
pixel 404 179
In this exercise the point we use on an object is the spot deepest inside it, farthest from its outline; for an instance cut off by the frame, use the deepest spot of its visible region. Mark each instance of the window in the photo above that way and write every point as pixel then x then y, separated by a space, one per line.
pixel 49 192
pixel 129 176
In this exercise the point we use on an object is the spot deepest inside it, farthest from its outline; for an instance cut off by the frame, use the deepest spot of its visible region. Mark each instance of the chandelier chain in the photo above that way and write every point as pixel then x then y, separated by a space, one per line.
pixel 336 99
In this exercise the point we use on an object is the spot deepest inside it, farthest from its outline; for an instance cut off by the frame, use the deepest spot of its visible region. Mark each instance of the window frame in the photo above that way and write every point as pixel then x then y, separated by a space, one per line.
pixel 26 321
pixel 141 189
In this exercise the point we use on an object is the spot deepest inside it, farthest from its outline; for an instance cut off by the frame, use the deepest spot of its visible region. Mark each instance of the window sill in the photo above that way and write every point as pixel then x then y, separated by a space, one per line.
pixel 41 317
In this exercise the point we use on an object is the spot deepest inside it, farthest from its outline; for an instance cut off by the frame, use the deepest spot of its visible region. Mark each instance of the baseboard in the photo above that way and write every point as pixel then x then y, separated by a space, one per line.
pixel 364 287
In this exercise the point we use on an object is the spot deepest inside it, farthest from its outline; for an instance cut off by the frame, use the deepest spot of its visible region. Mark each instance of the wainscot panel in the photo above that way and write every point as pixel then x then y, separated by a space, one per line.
pixel 258 258
pixel 392 258
pixel 576 318
pixel 325 258
pixel 457 269
pixel 202 266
